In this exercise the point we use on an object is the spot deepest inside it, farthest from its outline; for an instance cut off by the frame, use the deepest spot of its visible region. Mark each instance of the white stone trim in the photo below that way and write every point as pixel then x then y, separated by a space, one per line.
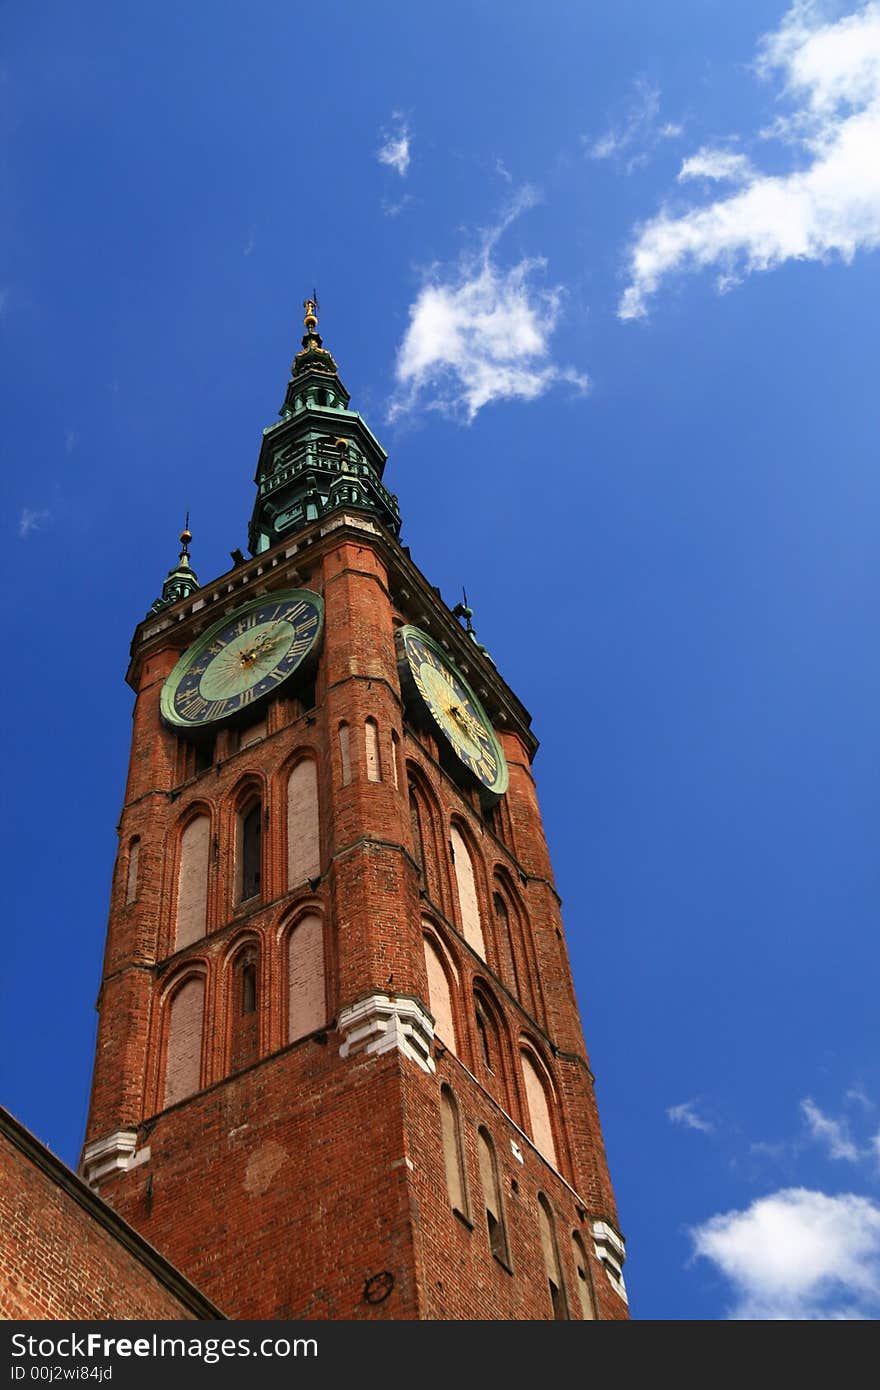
pixel 611 1250
pixel 382 1022
pixel 115 1152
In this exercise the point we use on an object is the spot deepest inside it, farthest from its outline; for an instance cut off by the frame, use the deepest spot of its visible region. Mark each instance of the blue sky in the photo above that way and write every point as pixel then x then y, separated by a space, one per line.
pixel 603 279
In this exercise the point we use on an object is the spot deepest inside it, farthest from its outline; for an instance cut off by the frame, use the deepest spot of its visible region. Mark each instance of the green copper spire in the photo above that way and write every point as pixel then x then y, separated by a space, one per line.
pixel 461 610
pixel 182 580
pixel 320 456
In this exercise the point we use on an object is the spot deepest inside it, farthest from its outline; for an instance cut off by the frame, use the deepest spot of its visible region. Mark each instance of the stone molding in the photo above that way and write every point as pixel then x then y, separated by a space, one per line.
pixel 115 1151
pixel 611 1250
pixel 382 1022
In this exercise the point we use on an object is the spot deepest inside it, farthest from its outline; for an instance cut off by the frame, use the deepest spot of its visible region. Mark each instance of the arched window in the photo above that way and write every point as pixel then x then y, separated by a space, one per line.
pixel 505 944
pixel 585 1292
pixel 452 1152
pixel 371 750
pixel 492 1197
pixel 415 821
pixel 439 995
pixel 249 851
pixel 551 1259
pixel 483 1036
pixel 423 814
pixel 537 1096
pixel 183 1051
pixel 395 754
pixel 192 882
pixel 303 824
pixel 131 878
pixel 345 754
pixel 468 903
pixel 243 1010
pixel 306 987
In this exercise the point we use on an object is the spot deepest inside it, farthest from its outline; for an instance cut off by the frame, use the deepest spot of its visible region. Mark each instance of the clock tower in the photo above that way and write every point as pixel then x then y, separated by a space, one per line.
pixel 340 1071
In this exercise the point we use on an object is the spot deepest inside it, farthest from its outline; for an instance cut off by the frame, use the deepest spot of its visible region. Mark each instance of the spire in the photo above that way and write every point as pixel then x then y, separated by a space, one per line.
pixel 313 355
pixel 182 580
pixel 320 456
pixel 461 610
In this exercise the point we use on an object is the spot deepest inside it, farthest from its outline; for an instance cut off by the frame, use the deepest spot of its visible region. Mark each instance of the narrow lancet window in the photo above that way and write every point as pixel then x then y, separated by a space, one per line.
pixel 183 1056
pixel 492 1197
pixel 371 750
pixel 345 754
pixel 452 1152
pixel 251 851
pixel 551 1259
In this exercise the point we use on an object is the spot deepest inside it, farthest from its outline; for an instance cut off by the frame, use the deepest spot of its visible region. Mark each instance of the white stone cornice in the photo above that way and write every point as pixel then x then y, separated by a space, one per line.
pixel 383 1022
pixel 108 1155
pixel 611 1250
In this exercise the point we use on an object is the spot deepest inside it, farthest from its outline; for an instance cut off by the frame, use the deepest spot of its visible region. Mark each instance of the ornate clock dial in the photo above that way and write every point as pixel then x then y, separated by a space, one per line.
pixel 242 658
pixel 454 708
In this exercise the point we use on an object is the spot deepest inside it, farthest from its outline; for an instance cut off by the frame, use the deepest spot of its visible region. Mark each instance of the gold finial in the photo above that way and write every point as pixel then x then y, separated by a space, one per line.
pixel 311 308
pixel 185 538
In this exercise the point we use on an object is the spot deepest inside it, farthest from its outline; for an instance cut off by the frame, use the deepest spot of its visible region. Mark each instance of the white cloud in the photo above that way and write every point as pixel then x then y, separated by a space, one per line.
pixel 31 519
pixel 250 244
pixel 636 134
pixel 827 206
pixel 480 333
pixel 859 1095
pixel 798 1254
pixel 834 1133
pixel 716 164
pixel 71 439
pixel 395 148
pixel 392 207
pixel 686 1114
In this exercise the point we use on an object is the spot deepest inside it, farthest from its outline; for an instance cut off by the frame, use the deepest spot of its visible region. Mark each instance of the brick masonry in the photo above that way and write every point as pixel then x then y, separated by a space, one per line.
pixel 284 1189
pixel 64 1255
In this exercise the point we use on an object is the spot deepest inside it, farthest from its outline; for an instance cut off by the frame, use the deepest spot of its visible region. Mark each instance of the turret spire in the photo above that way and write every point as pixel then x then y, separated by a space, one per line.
pixel 320 456
pixel 182 580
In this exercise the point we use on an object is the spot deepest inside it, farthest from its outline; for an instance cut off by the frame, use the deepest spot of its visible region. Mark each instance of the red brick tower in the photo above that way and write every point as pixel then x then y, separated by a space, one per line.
pixel 340 1071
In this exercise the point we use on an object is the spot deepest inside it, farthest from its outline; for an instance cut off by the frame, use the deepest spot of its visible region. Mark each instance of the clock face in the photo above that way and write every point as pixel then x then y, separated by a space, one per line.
pixel 454 708
pixel 242 658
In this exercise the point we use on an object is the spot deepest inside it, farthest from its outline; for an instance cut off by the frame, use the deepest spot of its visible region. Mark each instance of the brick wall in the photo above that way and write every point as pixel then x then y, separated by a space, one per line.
pixel 65 1255
pixel 283 1189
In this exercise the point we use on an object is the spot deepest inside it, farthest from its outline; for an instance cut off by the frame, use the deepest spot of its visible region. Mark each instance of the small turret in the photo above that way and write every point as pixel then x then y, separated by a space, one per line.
pixel 182 580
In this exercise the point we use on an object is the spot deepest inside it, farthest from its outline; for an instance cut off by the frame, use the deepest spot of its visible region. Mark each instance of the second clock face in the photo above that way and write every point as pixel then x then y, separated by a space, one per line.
pixel 454 708
pixel 242 658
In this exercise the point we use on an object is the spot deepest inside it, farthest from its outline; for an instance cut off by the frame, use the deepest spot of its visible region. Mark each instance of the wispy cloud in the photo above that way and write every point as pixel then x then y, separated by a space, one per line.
pixel 686 1114
pixel 719 165
pixel 834 1134
pixel 395 149
pixel 32 519
pixel 393 207
pixel 828 205
pixel 797 1254
pixel 250 244
pixel 634 136
pixel 479 333
pixel 71 439
pixel 859 1096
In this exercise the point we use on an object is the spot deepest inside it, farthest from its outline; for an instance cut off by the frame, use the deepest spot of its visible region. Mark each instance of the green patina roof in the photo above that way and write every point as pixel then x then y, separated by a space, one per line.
pixel 319 456
pixel 182 580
